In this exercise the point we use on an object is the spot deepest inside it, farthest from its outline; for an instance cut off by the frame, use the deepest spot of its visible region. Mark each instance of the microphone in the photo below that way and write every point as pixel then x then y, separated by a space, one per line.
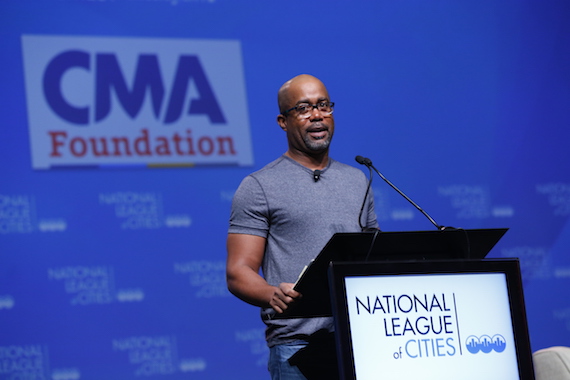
pixel 363 161
pixel 367 162
pixel 316 175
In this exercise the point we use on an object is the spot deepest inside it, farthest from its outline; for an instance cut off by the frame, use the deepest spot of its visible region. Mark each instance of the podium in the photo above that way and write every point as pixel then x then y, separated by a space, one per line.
pixel 380 246
pixel 419 304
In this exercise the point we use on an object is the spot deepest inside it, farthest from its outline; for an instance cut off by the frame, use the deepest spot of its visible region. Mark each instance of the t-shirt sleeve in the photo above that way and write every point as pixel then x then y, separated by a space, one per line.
pixel 249 213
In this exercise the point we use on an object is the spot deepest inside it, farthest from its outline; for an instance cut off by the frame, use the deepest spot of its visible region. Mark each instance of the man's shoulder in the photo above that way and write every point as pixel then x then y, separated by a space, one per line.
pixel 342 166
pixel 346 169
pixel 279 165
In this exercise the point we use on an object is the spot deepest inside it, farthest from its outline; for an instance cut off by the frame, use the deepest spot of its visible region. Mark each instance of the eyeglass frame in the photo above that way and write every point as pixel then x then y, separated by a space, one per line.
pixel 313 106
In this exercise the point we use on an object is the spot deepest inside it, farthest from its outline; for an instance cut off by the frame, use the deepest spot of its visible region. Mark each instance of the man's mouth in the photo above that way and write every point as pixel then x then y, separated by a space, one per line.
pixel 318 133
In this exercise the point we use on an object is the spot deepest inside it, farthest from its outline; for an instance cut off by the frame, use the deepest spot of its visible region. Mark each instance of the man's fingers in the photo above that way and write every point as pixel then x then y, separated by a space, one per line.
pixel 277 309
pixel 287 289
pixel 282 297
pixel 292 294
pixel 278 305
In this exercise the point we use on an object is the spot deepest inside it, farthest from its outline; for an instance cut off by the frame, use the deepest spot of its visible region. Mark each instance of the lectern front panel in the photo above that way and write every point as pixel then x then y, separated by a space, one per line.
pixel 437 320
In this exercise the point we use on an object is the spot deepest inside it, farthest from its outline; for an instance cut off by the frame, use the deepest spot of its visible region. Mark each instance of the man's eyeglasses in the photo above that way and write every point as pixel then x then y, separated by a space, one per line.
pixel 304 110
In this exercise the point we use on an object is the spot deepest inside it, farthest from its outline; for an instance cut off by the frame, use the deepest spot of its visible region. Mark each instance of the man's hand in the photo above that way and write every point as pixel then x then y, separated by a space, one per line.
pixel 283 296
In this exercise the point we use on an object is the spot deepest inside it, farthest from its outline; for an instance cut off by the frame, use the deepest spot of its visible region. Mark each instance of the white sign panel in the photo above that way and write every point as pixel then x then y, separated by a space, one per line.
pixel 106 101
pixel 455 326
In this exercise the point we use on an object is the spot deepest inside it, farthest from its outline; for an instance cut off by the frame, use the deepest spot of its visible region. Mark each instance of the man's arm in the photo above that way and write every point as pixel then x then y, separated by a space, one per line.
pixel 245 254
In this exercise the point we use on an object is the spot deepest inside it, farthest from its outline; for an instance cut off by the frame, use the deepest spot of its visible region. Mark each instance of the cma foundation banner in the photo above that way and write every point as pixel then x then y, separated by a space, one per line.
pixel 440 326
pixel 105 101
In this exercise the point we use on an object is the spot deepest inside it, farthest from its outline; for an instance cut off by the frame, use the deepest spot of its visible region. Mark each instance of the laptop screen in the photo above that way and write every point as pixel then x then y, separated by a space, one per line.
pixel 431 320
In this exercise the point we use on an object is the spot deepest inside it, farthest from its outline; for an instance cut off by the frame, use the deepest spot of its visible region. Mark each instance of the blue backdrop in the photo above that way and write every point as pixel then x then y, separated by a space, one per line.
pixel 112 267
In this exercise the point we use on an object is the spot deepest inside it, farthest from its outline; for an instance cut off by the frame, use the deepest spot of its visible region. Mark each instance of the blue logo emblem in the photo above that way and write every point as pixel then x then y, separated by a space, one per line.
pixel 486 344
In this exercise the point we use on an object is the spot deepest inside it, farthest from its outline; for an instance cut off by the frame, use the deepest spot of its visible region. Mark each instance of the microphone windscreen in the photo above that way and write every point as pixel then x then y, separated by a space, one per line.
pixel 359 159
pixel 363 160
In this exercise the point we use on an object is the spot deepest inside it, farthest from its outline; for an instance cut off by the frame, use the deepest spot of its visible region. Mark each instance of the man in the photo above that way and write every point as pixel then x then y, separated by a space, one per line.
pixel 281 218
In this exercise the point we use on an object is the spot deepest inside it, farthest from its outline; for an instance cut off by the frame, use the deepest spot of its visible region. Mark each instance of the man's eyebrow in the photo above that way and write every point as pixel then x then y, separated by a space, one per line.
pixel 324 99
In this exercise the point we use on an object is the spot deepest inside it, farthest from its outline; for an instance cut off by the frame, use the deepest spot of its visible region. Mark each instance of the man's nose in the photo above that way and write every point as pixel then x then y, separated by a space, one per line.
pixel 316 116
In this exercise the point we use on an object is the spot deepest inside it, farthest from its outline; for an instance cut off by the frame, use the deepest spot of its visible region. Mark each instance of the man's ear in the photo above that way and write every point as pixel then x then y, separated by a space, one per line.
pixel 281 120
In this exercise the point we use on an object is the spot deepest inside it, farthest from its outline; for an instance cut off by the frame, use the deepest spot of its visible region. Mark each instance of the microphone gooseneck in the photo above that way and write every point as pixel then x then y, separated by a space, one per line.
pixel 363 228
pixel 367 162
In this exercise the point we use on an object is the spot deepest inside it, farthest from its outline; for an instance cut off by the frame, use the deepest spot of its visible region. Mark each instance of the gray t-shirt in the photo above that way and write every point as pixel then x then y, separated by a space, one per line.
pixel 298 215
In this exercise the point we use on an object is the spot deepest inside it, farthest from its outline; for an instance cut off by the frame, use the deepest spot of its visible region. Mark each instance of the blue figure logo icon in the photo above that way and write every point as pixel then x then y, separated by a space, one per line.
pixel 486 344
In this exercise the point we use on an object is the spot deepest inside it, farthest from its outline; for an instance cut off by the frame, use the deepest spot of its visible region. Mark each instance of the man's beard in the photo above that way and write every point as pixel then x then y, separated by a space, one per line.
pixel 317 145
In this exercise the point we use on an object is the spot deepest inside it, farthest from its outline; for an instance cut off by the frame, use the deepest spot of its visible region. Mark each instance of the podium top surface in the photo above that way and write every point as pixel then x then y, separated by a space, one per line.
pixel 377 246
pixel 413 245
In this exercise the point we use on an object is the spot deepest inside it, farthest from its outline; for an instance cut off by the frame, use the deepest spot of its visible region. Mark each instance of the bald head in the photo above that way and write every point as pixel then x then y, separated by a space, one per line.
pixel 285 97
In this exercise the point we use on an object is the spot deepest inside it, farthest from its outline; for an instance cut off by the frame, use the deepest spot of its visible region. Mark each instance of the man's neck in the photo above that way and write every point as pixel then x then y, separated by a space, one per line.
pixel 313 162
